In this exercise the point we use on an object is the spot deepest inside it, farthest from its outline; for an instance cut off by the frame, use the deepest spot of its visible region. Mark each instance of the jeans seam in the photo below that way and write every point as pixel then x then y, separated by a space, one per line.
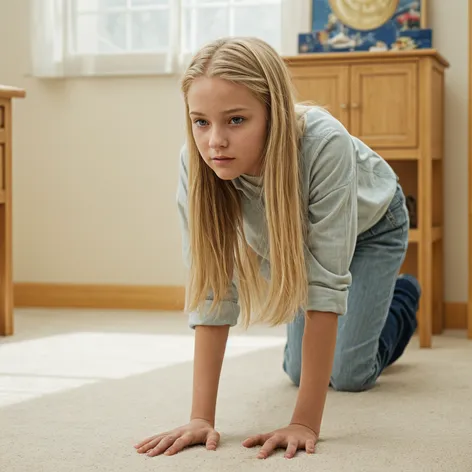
pixel 391 218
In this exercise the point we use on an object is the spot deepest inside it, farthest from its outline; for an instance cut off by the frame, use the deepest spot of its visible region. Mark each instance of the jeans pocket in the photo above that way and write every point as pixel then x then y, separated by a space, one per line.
pixel 397 212
pixel 395 218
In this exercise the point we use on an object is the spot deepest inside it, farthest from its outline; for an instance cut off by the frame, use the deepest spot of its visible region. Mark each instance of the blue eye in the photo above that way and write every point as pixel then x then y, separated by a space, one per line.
pixel 199 123
pixel 239 120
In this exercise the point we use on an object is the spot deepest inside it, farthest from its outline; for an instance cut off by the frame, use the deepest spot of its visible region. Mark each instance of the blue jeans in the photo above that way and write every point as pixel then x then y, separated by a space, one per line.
pixel 381 313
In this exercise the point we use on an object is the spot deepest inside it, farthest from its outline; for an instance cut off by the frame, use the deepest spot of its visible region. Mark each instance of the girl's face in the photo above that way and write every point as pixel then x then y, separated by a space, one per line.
pixel 229 125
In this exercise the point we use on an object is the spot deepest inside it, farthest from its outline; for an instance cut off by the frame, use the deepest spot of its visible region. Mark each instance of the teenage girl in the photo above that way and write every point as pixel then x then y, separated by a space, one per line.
pixel 286 218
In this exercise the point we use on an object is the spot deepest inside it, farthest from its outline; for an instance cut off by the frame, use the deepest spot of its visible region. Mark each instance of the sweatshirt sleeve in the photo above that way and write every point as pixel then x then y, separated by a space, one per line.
pixel 229 307
pixel 332 222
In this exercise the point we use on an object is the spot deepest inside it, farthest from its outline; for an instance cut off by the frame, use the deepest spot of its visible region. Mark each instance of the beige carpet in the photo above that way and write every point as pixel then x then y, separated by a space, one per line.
pixel 79 388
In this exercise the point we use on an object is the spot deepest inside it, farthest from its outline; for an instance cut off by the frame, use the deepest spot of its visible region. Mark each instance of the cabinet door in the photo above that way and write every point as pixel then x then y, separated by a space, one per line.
pixel 326 86
pixel 384 105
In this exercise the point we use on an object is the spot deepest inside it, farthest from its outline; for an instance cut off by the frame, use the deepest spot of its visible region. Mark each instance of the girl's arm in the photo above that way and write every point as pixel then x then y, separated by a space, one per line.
pixel 319 341
pixel 210 345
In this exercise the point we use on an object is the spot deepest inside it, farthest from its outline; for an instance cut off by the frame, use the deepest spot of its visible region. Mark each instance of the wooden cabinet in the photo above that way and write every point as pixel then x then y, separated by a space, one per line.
pixel 327 86
pixel 379 106
pixel 6 268
pixel 384 105
pixel 394 102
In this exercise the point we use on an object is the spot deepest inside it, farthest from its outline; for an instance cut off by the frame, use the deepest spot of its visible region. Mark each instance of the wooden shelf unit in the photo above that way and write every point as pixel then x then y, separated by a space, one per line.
pixel 7 94
pixel 394 102
pixel 469 210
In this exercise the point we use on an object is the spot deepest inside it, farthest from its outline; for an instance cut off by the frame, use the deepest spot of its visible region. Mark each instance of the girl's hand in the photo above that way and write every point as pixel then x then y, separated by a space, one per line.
pixel 196 432
pixel 293 437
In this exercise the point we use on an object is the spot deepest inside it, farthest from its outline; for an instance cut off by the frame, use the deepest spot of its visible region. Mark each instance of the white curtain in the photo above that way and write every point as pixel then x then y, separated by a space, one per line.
pixel 47 41
pixel 59 46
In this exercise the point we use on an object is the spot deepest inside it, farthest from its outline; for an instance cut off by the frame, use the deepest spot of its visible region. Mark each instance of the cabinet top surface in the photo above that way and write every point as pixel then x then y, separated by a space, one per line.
pixel 375 56
pixel 11 92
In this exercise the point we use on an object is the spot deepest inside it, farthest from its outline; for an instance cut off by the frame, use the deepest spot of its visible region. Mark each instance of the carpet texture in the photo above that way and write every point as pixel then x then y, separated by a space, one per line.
pixel 79 388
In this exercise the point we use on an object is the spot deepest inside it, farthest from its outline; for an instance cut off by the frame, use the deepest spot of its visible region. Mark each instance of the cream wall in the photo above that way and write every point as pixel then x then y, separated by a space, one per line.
pixel 95 171
pixel 95 167
pixel 449 20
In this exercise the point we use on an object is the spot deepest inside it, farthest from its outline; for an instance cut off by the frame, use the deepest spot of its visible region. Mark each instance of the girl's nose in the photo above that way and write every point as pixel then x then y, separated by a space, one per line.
pixel 218 139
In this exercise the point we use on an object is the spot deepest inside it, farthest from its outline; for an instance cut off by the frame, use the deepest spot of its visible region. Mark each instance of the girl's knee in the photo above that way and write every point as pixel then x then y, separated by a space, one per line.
pixel 347 382
pixel 339 383
pixel 294 377
pixel 293 371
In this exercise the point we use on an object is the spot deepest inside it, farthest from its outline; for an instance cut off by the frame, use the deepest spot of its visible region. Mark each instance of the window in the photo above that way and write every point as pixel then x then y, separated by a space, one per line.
pixel 120 26
pixel 204 20
pixel 123 37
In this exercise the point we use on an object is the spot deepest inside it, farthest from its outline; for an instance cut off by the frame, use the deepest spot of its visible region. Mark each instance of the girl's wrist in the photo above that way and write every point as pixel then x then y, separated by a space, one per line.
pixel 201 418
pixel 305 426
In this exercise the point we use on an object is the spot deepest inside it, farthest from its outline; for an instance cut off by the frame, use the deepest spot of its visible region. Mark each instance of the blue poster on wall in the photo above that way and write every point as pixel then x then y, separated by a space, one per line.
pixel 358 25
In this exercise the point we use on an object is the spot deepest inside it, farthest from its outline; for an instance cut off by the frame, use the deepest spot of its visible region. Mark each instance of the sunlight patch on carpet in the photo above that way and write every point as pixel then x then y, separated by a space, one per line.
pixel 34 368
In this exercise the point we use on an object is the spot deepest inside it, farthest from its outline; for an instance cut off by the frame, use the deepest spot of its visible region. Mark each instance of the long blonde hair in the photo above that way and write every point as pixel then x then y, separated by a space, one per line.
pixel 219 250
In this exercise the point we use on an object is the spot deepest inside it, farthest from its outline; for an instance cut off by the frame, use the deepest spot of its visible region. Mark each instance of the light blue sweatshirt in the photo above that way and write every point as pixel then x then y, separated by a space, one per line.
pixel 347 188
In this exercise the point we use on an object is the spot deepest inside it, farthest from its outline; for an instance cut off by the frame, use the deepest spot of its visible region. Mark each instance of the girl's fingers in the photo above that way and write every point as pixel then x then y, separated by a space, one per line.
pixel 163 445
pixel 213 440
pixel 310 446
pixel 268 447
pixel 154 441
pixel 291 449
pixel 179 444
pixel 258 440
pixel 145 441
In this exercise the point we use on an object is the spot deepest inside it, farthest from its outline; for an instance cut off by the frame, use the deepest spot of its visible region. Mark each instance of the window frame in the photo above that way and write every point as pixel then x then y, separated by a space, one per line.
pixel 122 63
pixel 231 5
pixel 52 36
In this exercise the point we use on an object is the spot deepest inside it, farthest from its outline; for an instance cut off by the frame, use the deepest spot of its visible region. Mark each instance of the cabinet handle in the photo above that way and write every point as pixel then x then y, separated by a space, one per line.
pixel 343 106
pixel 355 105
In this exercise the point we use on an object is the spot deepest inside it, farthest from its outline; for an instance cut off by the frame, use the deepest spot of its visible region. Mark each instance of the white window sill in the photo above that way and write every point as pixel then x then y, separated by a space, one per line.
pixel 123 65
